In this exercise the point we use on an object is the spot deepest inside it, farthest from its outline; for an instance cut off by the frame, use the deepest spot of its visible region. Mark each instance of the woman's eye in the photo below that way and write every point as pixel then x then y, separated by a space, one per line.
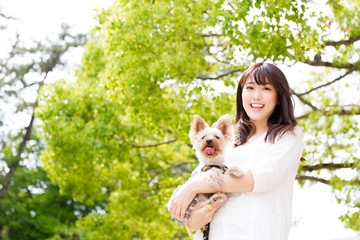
pixel 249 87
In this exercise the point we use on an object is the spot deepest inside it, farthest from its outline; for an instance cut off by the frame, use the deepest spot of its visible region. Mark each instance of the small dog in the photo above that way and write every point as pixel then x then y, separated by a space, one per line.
pixel 209 144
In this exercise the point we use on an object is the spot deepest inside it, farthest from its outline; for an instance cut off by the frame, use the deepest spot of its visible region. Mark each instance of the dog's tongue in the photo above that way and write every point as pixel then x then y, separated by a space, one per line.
pixel 209 150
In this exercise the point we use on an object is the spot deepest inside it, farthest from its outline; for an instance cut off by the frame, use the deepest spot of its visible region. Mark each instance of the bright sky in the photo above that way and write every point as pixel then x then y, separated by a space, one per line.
pixel 314 207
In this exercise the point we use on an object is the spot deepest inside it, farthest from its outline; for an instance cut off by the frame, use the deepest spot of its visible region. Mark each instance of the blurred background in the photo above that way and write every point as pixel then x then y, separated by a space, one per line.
pixel 96 99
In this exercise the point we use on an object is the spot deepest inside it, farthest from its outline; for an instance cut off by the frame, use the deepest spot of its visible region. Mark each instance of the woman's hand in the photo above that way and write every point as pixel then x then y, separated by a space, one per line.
pixel 184 194
pixel 202 215
pixel 181 199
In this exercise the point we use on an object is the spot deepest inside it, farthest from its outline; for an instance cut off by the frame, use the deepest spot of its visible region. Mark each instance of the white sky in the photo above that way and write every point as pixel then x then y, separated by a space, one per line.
pixel 315 208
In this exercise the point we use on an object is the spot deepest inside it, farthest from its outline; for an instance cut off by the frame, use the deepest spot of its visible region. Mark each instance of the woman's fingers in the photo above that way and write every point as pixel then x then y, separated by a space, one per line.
pixel 199 205
pixel 178 214
pixel 201 214
pixel 215 205
pixel 178 210
pixel 180 201
pixel 212 208
pixel 177 207
pixel 175 210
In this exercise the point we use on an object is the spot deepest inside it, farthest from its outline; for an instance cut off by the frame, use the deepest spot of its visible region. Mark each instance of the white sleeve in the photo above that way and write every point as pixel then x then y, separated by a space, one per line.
pixel 280 160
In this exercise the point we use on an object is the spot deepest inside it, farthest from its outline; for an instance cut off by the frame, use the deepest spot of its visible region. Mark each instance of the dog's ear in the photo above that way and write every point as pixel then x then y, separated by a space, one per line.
pixel 225 126
pixel 198 124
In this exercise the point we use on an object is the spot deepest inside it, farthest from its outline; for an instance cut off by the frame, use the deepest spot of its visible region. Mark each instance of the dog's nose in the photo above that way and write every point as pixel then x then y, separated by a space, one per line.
pixel 209 141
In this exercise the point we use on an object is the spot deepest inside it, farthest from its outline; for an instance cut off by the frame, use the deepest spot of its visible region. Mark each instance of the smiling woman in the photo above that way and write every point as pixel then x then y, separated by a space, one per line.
pixel 259 102
pixel 263 210
pixel 318 216
pixel 263 103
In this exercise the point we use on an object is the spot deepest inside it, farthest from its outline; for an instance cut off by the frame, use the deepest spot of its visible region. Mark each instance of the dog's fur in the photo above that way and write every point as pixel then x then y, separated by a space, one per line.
pixel 204 138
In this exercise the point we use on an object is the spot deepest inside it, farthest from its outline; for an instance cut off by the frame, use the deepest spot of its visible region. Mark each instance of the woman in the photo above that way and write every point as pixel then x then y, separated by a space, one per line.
pixel 268 144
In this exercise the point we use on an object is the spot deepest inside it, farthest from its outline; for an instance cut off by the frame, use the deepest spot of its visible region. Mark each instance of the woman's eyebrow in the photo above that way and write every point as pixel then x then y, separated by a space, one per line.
pixel 251 82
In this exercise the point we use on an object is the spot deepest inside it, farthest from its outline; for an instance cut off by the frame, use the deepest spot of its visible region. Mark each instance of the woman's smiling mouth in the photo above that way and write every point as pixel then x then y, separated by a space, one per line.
pixel 256 105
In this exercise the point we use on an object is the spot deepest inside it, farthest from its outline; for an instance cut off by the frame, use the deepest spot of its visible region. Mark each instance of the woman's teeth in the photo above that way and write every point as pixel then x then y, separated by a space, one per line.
pixel 257 105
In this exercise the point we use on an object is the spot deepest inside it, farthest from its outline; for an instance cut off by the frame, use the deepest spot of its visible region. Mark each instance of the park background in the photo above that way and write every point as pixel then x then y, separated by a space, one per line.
pixel 31 209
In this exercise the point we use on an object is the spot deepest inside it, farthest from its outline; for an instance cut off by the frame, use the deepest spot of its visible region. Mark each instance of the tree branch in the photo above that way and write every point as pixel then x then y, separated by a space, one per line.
pixel 214 55
pixel 12 53
pixel 328 166
pixel 211 35
pixel 154 145
pixel 7 179
pixel 343 42
pixel 220 76
pixel 328 83
pixel 319 63
pixel 9 176
pixel 303 116
pixel 314 179
pixel 172 166
pixel 7 17
pixel 339 112
pixel 343 112
pixel 303 100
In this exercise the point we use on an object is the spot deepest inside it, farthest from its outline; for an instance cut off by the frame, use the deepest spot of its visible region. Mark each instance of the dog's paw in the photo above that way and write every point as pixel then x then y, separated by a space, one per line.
pixel 215 178
pixel 216 197
pixel 215 182
pixel 219 196
pixel 235 171
pixel 185 220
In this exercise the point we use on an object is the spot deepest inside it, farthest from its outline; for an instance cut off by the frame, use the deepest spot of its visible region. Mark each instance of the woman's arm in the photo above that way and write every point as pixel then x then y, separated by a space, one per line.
pixel 199 184
pixel 245 183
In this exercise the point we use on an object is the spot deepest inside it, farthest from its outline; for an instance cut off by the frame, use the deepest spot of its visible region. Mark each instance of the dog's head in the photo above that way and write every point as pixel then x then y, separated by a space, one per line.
pixel 210 142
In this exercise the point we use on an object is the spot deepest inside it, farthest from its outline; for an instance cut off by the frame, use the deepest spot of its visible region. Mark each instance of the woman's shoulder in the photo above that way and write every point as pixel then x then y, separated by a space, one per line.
pixel 295 133
pixel 297 130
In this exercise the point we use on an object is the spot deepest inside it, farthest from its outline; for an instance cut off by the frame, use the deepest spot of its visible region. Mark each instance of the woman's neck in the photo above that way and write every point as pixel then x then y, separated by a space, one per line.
pixel 261 128
pixel 259 132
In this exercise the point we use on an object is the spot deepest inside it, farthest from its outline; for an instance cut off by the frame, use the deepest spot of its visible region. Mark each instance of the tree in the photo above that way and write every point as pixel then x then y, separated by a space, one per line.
pixel 121 128
pixel 31 207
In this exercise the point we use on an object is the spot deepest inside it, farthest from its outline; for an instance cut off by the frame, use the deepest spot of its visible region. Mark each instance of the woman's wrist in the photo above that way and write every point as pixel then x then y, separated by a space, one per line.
pixel 196 184
pixel 191 186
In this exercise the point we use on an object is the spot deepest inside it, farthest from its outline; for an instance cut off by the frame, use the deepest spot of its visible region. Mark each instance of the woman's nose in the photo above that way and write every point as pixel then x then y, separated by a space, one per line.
pixel 257 94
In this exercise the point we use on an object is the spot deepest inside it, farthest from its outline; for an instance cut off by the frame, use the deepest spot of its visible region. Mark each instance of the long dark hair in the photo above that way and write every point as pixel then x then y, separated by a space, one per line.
pixel 281 120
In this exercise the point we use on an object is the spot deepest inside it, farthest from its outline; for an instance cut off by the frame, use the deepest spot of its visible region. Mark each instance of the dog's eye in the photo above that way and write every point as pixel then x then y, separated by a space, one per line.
pixel 216 137
pixel 203 137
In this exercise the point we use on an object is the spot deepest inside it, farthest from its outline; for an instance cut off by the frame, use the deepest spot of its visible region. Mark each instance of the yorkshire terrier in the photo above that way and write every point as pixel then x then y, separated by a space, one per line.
pixel 209 144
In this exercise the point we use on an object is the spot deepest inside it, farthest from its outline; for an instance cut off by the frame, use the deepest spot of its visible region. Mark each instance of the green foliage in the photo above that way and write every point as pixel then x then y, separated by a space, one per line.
pixel 69 234
pixel 32 207
pixel 98 145
pixel 30 204
pixel 119 133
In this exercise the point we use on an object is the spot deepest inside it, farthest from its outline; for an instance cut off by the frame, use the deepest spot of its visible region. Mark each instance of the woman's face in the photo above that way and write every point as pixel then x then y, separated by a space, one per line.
pixel 259 101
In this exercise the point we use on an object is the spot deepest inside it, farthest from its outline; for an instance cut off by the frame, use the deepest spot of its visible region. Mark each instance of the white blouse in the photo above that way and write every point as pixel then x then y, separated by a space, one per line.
pixel 266 212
